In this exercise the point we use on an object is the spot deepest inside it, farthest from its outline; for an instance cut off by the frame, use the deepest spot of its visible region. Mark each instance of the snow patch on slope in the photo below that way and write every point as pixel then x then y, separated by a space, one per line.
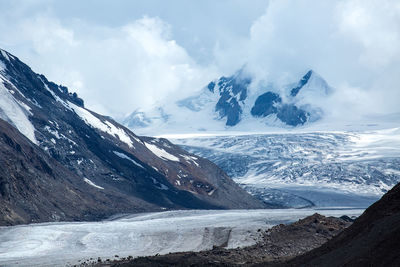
pixel 190 159
pixel 123 156
pixel 161 153
pixel 25 106
pixel 105 126
pixel 92 184
pixel 159 185
pixel 53 132
pixel 11 111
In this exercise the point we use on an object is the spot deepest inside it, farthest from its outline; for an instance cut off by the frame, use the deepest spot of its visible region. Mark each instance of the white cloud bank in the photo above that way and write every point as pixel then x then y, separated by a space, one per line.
pixel 354 45
pixel 116 69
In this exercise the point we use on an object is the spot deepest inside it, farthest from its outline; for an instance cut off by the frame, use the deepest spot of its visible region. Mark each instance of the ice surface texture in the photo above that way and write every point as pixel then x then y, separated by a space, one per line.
pixel 59 244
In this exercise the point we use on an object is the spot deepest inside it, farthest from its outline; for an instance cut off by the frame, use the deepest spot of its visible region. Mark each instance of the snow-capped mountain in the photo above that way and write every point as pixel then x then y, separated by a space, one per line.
pixel 228 103
pixel 58 143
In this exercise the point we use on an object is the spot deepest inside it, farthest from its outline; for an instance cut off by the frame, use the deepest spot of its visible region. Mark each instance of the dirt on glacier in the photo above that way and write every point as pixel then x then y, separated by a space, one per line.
pixel 278 244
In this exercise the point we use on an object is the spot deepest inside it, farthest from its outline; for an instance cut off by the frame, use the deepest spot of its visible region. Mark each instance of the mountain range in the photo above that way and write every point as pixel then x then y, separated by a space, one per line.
pixel 62 161
pixel 232 102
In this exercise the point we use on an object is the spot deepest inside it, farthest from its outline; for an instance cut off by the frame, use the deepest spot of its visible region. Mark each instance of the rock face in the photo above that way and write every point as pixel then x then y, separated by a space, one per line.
pixel 266 104
pixel 292 115
pixel 372 240
pixel 144 173
pixel 271 103
pixel 291 112
pixel 232 93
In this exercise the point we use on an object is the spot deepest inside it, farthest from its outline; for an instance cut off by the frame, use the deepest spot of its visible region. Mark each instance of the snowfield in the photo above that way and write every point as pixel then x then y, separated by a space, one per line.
pixel 60 244
pixel 15 112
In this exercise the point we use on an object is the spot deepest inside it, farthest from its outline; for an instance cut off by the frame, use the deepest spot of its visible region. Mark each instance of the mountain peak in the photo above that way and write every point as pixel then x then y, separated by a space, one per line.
pixel 20 74
pixel 233 92
pixel 229 101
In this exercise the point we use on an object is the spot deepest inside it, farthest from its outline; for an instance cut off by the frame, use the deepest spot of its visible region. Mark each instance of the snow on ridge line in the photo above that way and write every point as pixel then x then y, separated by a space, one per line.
pixel 123 156
pixel 11 111
pixel 4 53
pixel 106 126
pixel 92 120
pixel 92 184
pixel 161 153
pixel 56 97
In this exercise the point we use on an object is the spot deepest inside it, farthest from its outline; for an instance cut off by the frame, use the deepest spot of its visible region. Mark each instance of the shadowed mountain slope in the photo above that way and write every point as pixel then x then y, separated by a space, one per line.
pixel 103 154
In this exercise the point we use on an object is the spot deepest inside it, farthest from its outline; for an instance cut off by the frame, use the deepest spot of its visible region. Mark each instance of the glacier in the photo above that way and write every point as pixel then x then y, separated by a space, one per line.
pixel 306 169
pixel 70 243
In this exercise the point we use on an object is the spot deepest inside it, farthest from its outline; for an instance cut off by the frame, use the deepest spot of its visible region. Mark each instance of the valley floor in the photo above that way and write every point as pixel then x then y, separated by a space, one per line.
pixel 275 247
pixel 58 244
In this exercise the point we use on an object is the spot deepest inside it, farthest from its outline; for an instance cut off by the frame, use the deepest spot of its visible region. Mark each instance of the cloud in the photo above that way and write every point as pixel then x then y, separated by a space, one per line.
pixel 115 69
pixel 354 45
pixel 137 61
pixel 111 53
pixel 375 25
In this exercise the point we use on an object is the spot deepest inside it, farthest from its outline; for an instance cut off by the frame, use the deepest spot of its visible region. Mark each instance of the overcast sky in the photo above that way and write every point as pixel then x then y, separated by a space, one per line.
pixel 123 55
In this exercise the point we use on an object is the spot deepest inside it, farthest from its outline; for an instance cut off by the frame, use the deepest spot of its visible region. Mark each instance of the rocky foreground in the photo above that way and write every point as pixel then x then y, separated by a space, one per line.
pixel 277 244
pixel 372 240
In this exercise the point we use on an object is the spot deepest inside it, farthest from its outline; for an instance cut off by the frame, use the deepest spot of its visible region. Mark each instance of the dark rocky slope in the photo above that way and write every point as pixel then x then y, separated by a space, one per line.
pixel 373 239
pixel 104 154
pixel 34 187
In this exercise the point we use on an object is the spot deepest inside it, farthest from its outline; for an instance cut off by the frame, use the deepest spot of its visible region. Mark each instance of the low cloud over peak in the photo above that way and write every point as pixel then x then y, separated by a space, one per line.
pixel 121 63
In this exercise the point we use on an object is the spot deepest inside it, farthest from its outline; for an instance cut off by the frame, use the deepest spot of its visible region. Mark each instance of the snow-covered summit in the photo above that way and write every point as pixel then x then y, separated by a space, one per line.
pixel 228 103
